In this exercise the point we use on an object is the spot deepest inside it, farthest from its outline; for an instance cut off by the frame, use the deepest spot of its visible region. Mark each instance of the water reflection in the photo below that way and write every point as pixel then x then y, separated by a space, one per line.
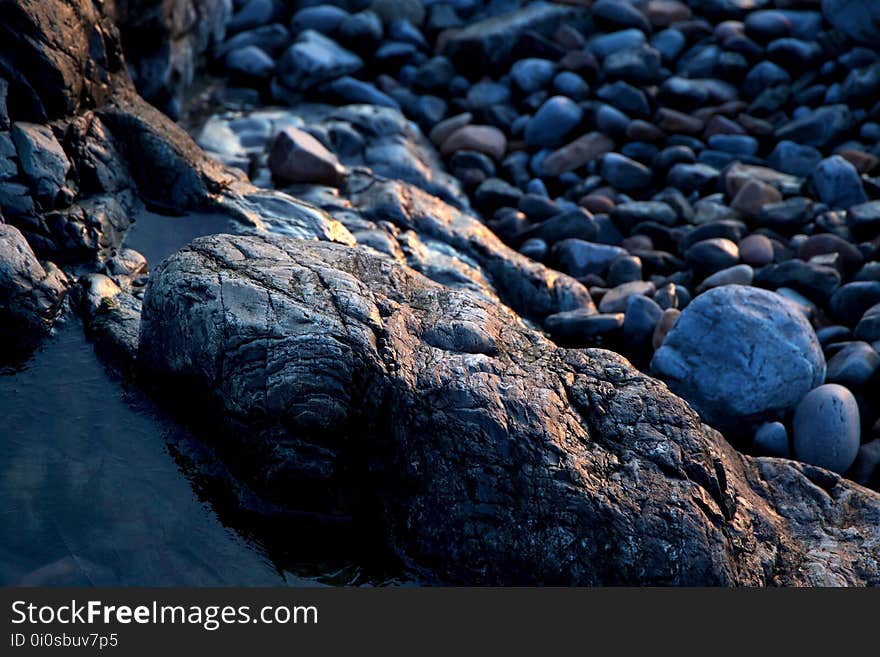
pixel 89 494
pixel 157 236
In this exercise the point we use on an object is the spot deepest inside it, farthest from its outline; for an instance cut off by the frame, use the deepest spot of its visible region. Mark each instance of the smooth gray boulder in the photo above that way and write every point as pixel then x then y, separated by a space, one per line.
pixel 740 355
pixel 826 428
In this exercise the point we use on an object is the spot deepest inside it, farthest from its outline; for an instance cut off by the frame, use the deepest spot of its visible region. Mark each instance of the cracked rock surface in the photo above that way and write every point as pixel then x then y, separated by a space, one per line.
pixel 492 455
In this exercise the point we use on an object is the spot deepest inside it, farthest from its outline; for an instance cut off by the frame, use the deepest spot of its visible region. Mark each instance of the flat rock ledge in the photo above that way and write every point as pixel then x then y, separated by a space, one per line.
pixel 489 455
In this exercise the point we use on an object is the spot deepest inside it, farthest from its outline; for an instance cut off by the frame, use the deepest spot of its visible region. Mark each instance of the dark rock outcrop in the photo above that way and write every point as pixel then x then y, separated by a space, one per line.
pixel 164 41
pixel 489 454
pixel 30 294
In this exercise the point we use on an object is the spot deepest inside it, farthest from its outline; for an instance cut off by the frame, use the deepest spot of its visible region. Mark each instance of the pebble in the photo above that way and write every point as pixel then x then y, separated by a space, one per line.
pixel 756 250
pixel 838 183
pixel 826 428
pixel 352 90
pixel 711 255
pixel 312 59
pixel 864 219
pixel 553 122
pixel 253 14
pixel 829 243
pixel 849 303
pixel 853 366
pixel 607 44
pixel 575 325
pixel 753 196
pixel 532 74
pixel 250 61
pixel 625 269
pixel 297 157
pixel 665 324
pixel 481 138
pixel 819 127
pixel 440 132
pixel 579 258
pixel 639 322
pixel 866 468
pixel 326 19
pixel 736 275
pixel 623 173
pixel 771 439
pixel 615 300
pixel 868 328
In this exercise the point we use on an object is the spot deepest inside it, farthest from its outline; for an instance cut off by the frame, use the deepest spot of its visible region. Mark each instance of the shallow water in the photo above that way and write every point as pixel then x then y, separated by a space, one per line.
pixel 157 236
pixel 89 493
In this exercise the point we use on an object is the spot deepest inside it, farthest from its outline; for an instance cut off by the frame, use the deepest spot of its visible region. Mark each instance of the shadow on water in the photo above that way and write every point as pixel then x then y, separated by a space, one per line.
pixel 157 236
pixel 89 494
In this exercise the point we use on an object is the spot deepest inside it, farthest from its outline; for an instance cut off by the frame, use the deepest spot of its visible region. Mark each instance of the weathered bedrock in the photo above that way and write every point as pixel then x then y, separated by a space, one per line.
pixel 494 456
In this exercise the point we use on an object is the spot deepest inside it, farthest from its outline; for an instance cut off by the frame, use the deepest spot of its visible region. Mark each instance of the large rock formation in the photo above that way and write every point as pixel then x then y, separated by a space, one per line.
pixel 350 385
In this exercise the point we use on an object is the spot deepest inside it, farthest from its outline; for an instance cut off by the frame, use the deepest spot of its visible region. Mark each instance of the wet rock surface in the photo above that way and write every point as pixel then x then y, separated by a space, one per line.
pixel 497 436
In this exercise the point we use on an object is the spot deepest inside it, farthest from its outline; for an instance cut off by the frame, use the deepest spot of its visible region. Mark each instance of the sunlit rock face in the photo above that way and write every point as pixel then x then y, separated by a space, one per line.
pixel 491 455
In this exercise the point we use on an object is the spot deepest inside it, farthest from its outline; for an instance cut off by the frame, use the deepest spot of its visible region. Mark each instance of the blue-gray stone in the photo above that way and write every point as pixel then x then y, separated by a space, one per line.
pixel 405 32
pixel 868 328
pixel 605 45
pixel 740 354
pixel 794 159
pixel 826 428
pixel 850 302
pixel 582 324
pixel 532 74
pixel 553 122
pixel 361 29
pixel 357 91
pixel 313 59
pixel 623 173
pixel 858 19
pixel 838 183
pixel 612 121
pixel 572 85
pixel 771 439
pixel 669 43
pixel 639 322
pixel 762 76
pixel 691 177
pixel 487 93
pixel 250 61
pixel 819 127
pixel 326 19
pixel 620 14
pixel 580 258
pixel 253 14
pixel 734 144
